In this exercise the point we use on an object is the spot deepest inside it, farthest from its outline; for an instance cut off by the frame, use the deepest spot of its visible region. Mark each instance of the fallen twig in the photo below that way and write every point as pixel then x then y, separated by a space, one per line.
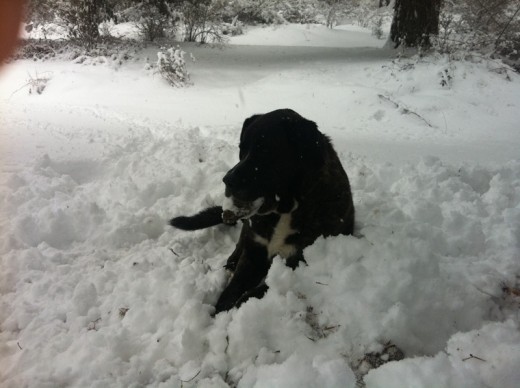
pixel 331 327
pixel 92 324
pixel 404 110
pixel 473 356
pixel 38 82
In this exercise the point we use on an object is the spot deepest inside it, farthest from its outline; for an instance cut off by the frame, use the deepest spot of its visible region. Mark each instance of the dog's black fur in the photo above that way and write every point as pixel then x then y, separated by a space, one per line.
pixel 285 160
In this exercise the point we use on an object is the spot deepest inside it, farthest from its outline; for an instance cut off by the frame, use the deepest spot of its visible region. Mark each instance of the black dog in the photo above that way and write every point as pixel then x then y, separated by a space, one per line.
pixel 288 188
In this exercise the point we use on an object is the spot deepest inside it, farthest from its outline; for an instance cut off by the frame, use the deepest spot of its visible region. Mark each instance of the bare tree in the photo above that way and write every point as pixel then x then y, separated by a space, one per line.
pixel 82 18
pixel 202 20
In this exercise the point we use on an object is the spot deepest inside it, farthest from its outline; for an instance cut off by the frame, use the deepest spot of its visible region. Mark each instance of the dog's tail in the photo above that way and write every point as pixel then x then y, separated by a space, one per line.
pixel 208 217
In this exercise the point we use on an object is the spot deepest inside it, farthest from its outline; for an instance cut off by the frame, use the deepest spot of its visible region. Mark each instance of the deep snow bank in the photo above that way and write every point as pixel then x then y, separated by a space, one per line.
pixel 98 292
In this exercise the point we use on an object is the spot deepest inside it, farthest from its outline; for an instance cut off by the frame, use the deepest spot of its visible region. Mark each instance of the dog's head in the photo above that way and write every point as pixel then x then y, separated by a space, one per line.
pixel 276 150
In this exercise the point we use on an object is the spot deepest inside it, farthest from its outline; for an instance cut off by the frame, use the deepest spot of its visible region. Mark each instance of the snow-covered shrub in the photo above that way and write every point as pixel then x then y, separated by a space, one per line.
pixel 172 67
pixel 45 31
pixel 300 11
pixel 368 15
pixel 254 11
pixel 106 28
pixel 202 20
pixel 152 24
pixel 377 28
pixel 336 10
pixel 111 52
pixel 232 29
pixel 36 83
pixel 82 19
pixel 489 28
pixel 364 13
pixel 37 50
pixel 39 14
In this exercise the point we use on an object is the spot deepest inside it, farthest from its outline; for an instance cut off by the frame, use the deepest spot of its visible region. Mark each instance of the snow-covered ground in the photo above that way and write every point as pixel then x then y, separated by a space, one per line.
pixel 96 289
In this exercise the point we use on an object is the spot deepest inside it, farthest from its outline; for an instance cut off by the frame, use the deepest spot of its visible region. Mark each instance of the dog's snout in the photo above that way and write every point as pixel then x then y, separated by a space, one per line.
pixel 237 183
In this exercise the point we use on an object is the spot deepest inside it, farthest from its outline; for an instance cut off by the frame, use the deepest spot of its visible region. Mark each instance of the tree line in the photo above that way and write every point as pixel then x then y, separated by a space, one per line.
pixel 493 25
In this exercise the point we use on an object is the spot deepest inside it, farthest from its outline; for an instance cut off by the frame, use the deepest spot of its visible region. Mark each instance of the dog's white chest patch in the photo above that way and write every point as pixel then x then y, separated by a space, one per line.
pixel 277 245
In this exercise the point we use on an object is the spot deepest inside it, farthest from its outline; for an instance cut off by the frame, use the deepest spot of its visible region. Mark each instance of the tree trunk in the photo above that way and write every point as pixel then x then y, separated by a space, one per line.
pixel 414 22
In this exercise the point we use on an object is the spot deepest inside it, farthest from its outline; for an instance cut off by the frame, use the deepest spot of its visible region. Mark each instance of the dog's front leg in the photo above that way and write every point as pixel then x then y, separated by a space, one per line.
pixel 260 290
pixel 232 260
pixel 294 260
pixel 251 269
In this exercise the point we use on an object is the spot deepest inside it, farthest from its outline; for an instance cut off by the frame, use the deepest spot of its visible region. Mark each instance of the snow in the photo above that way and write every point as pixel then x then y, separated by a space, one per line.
pixel 307 35
pixel 499 341
pixel 96 289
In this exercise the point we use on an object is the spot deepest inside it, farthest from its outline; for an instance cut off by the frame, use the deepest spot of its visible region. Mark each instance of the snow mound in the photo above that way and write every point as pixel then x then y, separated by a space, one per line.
pixel 97 291
pixel 487 357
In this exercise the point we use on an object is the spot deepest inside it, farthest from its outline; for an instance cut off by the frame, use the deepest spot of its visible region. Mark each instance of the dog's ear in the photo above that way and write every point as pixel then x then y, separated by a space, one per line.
pixel 247 123
pixel 310 144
